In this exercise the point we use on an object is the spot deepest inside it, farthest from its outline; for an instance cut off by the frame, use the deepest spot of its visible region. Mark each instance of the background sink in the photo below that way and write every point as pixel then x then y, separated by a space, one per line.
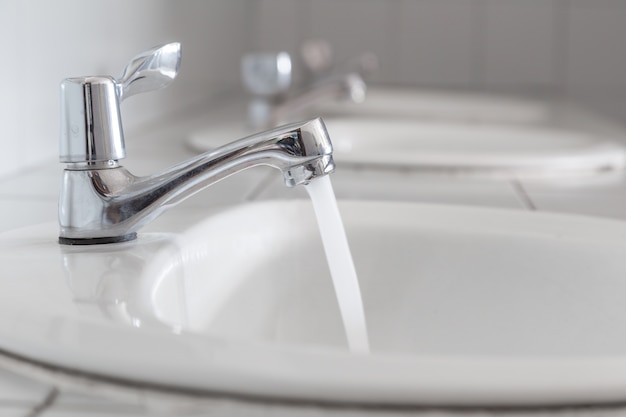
pixel 442 106
pixel 463 306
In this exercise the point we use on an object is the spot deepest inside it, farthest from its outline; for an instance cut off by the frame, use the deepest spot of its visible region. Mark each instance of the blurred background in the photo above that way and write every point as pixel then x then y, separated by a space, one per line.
pixel 564 49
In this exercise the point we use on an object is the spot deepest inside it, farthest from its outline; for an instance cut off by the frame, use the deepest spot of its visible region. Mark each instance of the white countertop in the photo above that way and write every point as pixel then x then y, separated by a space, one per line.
pixel 30 198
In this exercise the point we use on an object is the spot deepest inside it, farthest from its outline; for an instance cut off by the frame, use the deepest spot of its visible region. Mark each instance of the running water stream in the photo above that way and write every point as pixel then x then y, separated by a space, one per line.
pixel 340 263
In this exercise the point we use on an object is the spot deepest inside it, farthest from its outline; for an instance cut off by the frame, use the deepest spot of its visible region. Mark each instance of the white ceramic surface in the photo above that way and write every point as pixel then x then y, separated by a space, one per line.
pixel 443 106
pixel 454 148
pixel 464 306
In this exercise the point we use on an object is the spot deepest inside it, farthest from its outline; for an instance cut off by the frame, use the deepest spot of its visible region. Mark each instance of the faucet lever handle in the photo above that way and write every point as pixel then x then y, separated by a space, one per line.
pixel 150 70
pixel 91 125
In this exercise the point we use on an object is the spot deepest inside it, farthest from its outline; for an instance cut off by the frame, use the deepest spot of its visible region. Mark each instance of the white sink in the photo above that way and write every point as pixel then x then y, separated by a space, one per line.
pixel 463 306
pixel 443 106
pixel 454 148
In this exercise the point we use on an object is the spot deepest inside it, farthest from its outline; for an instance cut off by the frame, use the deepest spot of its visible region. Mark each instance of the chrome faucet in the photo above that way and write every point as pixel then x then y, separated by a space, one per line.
pixel 102 202
pixel 317 57
pixel 267 77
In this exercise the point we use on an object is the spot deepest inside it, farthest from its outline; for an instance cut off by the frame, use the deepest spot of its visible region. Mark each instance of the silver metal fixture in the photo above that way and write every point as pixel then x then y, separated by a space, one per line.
pixel 267 77
pixel 102 202
pixel 317 56
pixel 91 126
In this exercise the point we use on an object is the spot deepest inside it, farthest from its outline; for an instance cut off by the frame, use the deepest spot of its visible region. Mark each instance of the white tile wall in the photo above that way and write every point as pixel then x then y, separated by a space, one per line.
pixel 274 24
pixel 574 48
pixel 596 55
pixel 519 44
pixel 8 123
pixel 353 30
pixel 436 43
pixel 568 48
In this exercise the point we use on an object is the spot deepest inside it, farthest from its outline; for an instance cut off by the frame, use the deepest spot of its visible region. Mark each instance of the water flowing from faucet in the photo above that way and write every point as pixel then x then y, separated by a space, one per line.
pixel 340 263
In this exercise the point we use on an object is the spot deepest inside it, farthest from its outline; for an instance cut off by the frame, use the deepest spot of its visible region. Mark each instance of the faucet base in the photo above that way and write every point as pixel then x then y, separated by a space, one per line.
pixel 97 240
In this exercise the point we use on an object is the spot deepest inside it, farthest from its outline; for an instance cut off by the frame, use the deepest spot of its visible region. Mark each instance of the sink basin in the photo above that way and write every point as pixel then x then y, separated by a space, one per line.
pixel 443 106
pixel 455 148
pixel 464 306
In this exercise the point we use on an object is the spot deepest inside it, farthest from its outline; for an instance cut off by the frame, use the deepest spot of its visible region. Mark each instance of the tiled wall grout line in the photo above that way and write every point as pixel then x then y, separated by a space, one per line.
pixel 393 40
pixel 305 24
pixel 47 402
pixel 250 26
pixel 479 19
pixel 522 195
pixel 560 47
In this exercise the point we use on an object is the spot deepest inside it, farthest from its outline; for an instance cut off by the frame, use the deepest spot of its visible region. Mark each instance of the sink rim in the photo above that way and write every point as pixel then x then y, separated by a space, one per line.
pixel 379 378
pixel 448 105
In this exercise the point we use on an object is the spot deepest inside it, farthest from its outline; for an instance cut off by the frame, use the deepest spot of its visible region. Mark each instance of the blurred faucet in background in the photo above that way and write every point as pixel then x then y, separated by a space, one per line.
pixel 318 61
pixel 268 78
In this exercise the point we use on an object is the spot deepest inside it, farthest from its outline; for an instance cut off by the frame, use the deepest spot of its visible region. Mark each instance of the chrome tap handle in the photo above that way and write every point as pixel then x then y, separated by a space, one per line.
pixel 266 74
pixel 267 77
pixel 150 70
pixel 91 125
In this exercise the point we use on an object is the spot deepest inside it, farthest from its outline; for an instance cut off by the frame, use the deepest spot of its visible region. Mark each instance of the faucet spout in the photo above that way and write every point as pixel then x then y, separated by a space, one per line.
pixel 105 203
pixel 349 86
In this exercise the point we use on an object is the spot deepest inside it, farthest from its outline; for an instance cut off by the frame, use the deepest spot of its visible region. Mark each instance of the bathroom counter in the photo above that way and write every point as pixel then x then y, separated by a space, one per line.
pixel 31 197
